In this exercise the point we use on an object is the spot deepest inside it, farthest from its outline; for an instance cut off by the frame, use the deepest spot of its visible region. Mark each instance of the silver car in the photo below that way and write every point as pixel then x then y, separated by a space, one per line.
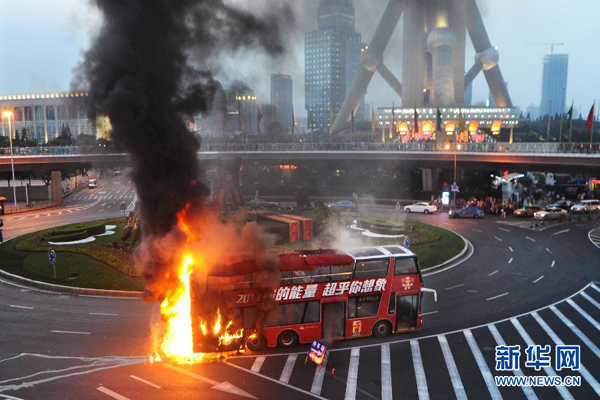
pixel 551 213
pixel 586 206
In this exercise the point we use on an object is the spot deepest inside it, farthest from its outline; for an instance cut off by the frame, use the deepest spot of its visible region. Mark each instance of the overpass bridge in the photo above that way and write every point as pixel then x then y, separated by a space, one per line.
pixel 551 157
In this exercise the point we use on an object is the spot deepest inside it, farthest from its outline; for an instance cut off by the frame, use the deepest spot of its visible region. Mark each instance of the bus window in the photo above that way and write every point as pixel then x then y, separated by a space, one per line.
pixel 392 304
pixel 371 269
pixel 294 313
pixel 405 265
pixel 363 306
pixel 321 274
pixel 249 317
pixel 342 273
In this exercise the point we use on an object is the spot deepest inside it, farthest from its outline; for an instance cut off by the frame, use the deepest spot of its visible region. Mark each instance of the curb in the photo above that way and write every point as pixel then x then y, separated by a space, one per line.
pixel 461 257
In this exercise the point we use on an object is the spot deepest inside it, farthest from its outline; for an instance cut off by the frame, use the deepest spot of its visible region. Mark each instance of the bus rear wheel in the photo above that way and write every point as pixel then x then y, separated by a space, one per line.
pixel 382 329
pixel 287 339
pixel 256 342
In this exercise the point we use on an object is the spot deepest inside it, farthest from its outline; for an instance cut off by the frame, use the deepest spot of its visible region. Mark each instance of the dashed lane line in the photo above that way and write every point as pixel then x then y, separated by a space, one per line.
pixel 549 251
pixel 105 314
pixel 21 307
pixel 511 249
pixel 493 273
pixel 528 238
pixel 430 312
pixel 539 279
pixel 497 297
pixel 72 332
pixel 504 229
pixel 110 393
pixel 137 378
pixel 497 238
pixel 510 261
pixel 455 286
pixel 553 264
pixel 477 230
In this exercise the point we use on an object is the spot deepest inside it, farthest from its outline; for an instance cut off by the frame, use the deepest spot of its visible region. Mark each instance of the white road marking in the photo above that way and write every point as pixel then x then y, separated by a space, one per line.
pixel 594 302
pixel 549 371
pixel 317 383
pixel 497 238
pixel 288 368
pixel 222 386
pixel 386 373
pixel 110 393
pixel 352 374
pixel 472 291
pixel 23 307
pixel 430 312
pixel 60 213
pixel 100 211
pixel 539 279
pixel 72 332
pixel 559 232
pixel 455 286
pixel 553 264
pixel 258 363
pixel 459 389
pixel 419 370
pixel 582 370
pixel 137 378
pixel 493 273
pixel 483 368
pixel 584 314
pixel 549 251
pixel 47 215
pixel 511 260
pixel 528 238
pixel 529 393
pixel 101 313
pixel 477 230
pixel 37 216
pixel 497 297
pixel 511 249
pixel 505 230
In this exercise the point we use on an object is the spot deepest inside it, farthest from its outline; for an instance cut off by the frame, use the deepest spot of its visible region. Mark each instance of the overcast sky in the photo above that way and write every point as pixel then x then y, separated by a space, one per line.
pixel 42 40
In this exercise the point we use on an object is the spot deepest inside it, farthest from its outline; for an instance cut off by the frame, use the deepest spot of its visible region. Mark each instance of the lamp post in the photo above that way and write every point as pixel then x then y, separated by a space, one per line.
pixel 9 114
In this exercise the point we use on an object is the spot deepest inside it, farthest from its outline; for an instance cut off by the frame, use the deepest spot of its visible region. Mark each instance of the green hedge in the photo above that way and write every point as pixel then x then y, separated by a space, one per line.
pixel 69 237
pixel 387 229
pixel 78 228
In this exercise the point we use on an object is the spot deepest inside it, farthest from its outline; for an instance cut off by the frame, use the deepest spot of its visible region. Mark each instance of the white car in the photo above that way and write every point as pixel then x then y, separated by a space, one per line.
pixel 586 206
pixel 552 213
pixel 92 184
pixel 423 207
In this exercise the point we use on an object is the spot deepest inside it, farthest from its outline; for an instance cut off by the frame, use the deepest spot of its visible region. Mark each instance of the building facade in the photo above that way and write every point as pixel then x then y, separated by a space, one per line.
pixel 43 116
pixel 332 60
pixel 282 99
pixel 554 84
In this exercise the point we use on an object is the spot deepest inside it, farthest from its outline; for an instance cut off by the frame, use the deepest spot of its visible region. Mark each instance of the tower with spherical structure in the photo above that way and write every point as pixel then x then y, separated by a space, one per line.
pixel 433 58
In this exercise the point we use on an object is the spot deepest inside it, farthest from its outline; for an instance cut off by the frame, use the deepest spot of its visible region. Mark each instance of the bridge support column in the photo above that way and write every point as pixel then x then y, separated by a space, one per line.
pixel 430 178
pixel 55 186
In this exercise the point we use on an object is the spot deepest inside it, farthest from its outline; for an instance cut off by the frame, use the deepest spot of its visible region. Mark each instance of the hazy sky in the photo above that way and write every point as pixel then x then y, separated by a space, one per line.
pixel 42 40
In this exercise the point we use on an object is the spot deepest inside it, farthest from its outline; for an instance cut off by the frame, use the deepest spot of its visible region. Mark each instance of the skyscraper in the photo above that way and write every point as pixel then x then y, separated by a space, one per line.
pixel 554 81
pixel 331 61
pixel 282 99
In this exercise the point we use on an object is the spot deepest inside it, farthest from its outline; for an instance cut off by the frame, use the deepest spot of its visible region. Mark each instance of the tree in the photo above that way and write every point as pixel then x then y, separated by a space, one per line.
pixel 66 132
pixel 24 139
pixel 45 176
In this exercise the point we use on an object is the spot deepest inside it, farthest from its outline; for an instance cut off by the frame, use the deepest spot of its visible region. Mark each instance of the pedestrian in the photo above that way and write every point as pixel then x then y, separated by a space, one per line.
pixel 503 212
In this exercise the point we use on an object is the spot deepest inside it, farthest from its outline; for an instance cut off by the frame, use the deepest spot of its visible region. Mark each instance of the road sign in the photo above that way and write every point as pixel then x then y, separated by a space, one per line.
pixel 406 242
pixel 317 352
pixel 52 256
pixel 454 187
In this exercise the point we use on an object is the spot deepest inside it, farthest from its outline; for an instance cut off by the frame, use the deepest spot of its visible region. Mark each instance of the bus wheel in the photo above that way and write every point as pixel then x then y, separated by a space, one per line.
pixel 287 339
pixel 255 342
pixel 382 329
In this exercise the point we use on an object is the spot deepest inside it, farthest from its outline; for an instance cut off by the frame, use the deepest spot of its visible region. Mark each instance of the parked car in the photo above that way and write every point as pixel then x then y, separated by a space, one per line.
pixel 344 205
pixel 586 206
pixel 551 213
pixel 92 184
pixel 527 211
pixel 422 207
pixel 564 204
pixel 468 212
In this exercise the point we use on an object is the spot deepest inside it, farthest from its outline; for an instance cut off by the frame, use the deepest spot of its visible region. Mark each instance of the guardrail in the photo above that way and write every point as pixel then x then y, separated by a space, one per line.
pixel 430 146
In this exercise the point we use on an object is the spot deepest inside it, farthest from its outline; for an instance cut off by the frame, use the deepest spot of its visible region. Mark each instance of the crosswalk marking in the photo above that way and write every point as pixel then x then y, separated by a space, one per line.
pixel 386 373
pixel 584 314
pixel 588 298
pixel 110 393
pixel 352 374
pixel 419 370
pixel 483 368
pixel 549 371
pixel 529 393
pixel 582 370
pixel 287 369
pixel 576 331
pixel 318 378
pixel 258 363
pixel 457 384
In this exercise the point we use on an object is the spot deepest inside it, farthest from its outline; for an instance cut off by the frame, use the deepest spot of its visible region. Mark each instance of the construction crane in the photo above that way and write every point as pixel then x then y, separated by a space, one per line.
pixel 547 44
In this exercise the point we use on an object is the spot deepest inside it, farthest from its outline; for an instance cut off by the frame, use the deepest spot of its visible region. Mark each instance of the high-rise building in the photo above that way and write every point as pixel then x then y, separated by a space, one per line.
pixel 554 84
pixel 331 62
pixel 282 99
pixel 469 95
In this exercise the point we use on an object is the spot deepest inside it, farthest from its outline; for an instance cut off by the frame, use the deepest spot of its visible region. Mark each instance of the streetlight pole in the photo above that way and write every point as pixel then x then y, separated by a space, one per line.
pixel 8 114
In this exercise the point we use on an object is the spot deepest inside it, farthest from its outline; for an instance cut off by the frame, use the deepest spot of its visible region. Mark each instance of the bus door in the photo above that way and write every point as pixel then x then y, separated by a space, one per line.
pixel 334 320
pixel 407 311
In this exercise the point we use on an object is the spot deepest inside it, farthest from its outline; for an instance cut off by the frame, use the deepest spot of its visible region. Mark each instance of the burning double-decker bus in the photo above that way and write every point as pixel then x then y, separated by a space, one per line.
pixel 324 294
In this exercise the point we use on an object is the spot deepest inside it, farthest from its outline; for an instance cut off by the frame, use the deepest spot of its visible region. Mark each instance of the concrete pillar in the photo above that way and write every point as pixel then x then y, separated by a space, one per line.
pixel 34 109
pixel 55 186
pixel 430 177
pixel 440 43
pixel 78 122
pixel 45 124
pixel 56 133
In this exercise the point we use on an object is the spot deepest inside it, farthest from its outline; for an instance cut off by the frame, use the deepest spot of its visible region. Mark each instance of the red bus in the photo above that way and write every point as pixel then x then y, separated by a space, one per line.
pixel 330 295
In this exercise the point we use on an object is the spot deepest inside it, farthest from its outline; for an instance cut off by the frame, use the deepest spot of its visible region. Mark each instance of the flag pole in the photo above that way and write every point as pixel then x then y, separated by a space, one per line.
pixel 562 113
pixel 571 123
pixel 548 127
pixel 593 118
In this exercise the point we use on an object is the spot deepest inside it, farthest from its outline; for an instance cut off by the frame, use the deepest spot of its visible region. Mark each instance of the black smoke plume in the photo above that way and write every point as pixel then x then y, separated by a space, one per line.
pixel 149 69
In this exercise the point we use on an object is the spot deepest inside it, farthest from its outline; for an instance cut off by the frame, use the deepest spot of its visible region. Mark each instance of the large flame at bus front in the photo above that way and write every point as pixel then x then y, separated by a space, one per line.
pixel 176 344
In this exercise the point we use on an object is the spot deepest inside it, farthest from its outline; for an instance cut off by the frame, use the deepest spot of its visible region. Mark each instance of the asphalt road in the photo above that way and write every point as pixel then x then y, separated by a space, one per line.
pixel 522 285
